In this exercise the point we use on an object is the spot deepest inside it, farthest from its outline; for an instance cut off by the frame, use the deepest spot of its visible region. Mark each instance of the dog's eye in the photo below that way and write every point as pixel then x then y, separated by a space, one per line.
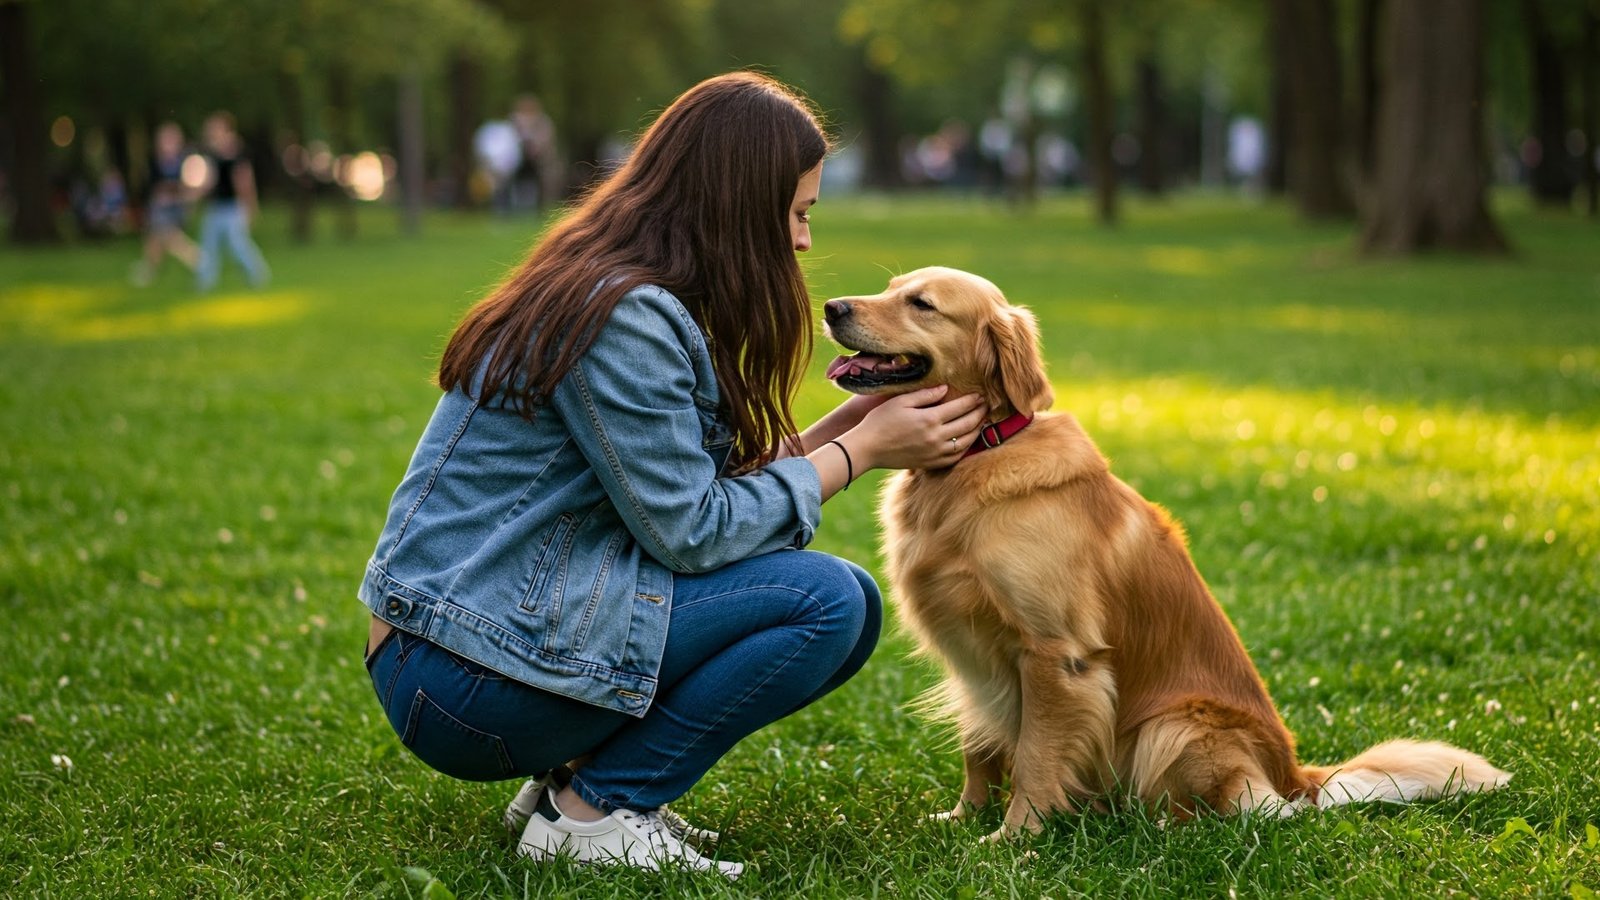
pixel 920 302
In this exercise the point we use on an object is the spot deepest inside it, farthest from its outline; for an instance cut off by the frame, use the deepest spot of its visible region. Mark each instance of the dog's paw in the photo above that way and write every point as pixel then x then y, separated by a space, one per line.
pixel 962 810
pixel 1007 833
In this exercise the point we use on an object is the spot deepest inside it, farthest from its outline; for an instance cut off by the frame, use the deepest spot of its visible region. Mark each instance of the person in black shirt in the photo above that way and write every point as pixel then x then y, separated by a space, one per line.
pixel 230 206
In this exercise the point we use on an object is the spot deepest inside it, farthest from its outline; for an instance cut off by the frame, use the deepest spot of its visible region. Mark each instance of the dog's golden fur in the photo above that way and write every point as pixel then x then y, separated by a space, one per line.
pixel 1084 653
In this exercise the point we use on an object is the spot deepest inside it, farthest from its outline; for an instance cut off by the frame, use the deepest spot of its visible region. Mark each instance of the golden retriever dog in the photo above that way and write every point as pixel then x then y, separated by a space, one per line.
pixel 1084 654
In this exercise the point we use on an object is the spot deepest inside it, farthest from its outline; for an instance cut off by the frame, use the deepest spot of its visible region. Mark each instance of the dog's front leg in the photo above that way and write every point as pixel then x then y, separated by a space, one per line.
pixel 984 768
pixel 1068 709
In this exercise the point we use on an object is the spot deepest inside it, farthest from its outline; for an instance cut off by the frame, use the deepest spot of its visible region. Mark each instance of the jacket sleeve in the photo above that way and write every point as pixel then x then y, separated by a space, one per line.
pixel 629 404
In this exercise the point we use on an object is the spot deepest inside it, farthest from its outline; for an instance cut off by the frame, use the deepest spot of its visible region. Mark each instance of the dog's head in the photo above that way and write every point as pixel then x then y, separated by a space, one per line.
pixel 939 326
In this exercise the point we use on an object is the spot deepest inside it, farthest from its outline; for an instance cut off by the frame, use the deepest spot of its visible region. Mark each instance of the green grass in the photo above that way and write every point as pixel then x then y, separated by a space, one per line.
pixel 1390 474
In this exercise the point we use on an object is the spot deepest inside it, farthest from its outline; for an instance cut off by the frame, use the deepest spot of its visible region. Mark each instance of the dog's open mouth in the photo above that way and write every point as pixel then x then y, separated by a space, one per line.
pixel 869 370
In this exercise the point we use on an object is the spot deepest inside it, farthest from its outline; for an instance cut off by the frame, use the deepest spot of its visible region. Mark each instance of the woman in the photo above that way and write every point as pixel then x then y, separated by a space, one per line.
pixel 593 555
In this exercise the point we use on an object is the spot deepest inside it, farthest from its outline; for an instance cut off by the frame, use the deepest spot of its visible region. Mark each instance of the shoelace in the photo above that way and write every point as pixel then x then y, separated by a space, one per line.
pixel 678 825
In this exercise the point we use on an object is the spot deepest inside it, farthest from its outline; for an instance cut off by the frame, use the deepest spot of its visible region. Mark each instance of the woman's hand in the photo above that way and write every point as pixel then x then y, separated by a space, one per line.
pixel 919 430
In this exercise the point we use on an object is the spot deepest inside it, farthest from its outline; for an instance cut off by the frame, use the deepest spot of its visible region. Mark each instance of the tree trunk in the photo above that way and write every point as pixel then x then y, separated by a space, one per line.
pixel 466 94
pixel 1549 177
pixel 34 221
pixel 1367 83
pixel 1589 71
pixel 341 112
pixel 1431 169
pixel 412 171
pixel 875 93
pixel 1277 175
pixel 1316 115
pixel 1097 106
pixel 302 187
pixel 1152 126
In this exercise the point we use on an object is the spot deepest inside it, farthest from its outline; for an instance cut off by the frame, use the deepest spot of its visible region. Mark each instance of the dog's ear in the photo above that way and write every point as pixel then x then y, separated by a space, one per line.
pixel 1008 348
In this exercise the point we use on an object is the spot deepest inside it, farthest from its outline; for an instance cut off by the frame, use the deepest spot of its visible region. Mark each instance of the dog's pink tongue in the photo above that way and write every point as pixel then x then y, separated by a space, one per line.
pixel 839 367
pixel 855 365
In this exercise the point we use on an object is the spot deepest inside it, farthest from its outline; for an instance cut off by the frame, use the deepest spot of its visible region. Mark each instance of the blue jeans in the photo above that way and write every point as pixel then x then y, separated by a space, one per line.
pixel 747 644
pixel 224 222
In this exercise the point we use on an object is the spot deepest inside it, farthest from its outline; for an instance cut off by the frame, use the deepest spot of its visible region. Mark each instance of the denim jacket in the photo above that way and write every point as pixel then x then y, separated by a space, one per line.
pixel 546 550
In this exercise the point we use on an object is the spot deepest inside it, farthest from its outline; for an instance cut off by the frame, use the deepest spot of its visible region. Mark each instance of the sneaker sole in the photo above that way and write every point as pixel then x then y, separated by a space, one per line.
pixel 537 853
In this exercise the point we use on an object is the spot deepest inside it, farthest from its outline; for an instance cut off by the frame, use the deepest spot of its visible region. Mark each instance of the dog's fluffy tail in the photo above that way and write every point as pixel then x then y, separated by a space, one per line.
pixel 1402 771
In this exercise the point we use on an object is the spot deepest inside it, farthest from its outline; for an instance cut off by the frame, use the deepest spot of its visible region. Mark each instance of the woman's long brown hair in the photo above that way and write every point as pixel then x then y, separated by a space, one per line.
pixel 701 208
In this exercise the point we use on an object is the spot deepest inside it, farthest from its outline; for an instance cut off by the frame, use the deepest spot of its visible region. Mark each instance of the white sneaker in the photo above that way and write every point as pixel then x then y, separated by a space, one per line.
pixel 522 806
pixel 625 837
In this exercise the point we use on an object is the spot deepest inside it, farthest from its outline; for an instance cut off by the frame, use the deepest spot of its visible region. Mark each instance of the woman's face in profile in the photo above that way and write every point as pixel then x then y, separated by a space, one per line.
pixel 805 196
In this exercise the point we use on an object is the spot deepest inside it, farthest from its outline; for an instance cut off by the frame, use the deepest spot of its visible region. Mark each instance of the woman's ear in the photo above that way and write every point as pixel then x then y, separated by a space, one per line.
pixel 1016 376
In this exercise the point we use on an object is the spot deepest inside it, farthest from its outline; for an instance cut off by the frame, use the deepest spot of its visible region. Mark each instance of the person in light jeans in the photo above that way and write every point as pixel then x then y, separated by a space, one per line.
pixel 230 207
pixel 592 574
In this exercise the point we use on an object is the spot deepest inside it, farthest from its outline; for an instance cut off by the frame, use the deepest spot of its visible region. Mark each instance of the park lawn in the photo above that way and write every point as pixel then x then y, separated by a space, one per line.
pixel 1389 471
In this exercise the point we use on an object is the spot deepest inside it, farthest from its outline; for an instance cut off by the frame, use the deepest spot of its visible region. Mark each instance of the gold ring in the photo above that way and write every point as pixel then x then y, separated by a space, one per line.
pixel 953 443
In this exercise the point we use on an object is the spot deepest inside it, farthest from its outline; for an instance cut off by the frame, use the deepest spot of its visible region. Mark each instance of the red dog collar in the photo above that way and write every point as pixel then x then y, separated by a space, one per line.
pixel 994 434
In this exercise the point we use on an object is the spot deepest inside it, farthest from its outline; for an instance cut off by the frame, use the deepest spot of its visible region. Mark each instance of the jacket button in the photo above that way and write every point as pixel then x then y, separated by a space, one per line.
pixel 394 605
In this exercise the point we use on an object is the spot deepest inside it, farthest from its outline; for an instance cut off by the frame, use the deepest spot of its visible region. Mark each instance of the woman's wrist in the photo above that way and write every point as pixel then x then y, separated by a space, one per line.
pixel 863 454
pixel 849 464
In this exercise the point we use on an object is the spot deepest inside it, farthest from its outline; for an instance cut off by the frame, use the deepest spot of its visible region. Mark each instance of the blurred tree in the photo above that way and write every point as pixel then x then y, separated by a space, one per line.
pixel 962 54
pixel 1098 108
pixel 1366 83
pixel 1550 175
pixel 601 66
pixel 881 125
pixel 1541 91
pixel 1191 64
pixel 1217 64
pixel 1589 69
pixel 1151 112
pixel 1430 170
pixel 343 43
pixel 33 222
pixel 465 112
pixel 797 41
pixel 1309 52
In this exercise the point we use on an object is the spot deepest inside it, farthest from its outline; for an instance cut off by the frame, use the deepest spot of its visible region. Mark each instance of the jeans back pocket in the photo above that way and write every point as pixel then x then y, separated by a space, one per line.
pixel 451 745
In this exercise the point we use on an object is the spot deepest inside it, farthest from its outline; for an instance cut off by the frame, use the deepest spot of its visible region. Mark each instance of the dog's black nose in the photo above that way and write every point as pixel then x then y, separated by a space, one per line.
pixel 834 310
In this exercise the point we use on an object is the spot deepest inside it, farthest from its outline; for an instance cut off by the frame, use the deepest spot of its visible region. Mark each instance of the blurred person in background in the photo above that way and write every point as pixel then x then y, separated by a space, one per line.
pixel 536 139
pixel 499 152
pixel 166 208
pixel 231 204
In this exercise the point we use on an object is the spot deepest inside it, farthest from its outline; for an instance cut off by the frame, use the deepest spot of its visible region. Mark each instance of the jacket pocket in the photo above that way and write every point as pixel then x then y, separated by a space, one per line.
pixel 551 551
pixel 610 558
